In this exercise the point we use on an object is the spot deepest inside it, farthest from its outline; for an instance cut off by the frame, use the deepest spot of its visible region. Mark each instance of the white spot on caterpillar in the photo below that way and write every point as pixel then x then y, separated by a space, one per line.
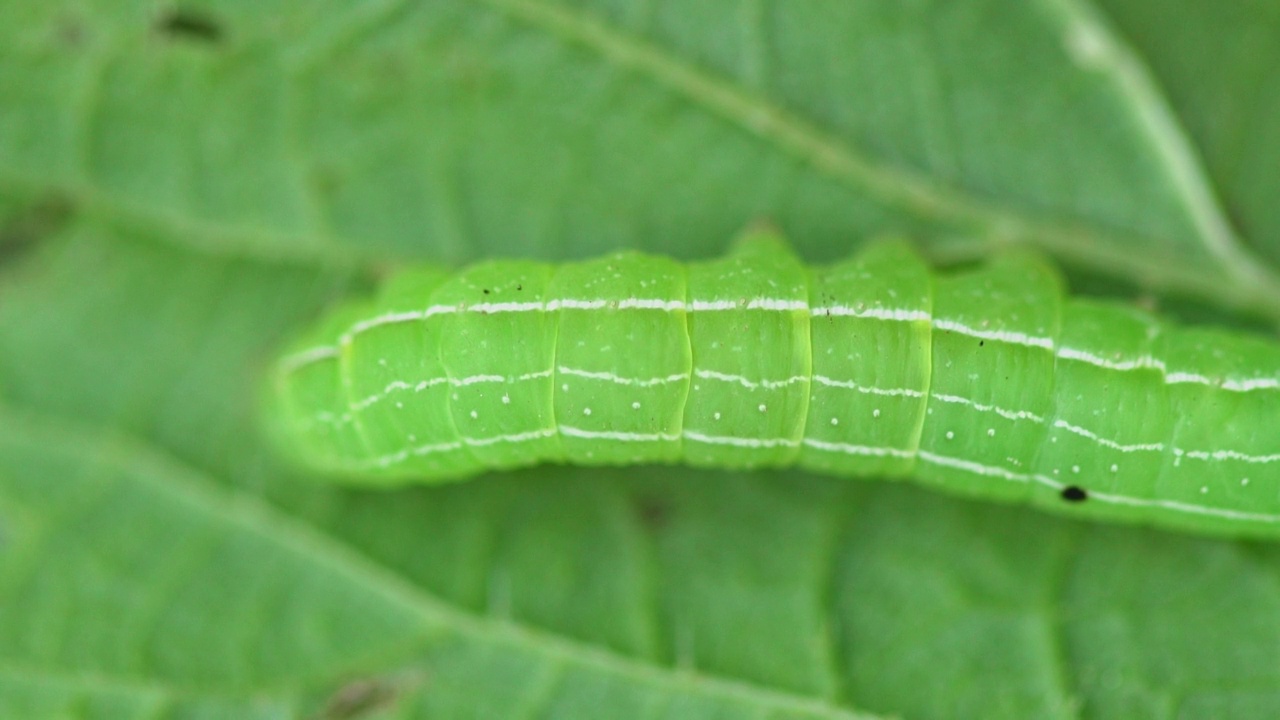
pixel 1204 489
pixel 762 407
pixel 474 415
pixel 835 421
pixel 1075 469
pixel 991 432
pixel 1115 468
pixel 1244 481
pixel 586 411
pixel 635 406
pixel 506 399
pixel 875 412
pixel 951 435
pixel 399 405
pixel 717 416
pixel 564 387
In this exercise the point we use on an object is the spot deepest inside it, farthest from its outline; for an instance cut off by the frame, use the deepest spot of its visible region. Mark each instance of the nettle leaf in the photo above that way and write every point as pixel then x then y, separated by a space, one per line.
pixel 183 186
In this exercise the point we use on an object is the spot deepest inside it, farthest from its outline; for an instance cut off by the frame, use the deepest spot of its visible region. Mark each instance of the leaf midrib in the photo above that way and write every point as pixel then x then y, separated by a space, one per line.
pixel 1253 286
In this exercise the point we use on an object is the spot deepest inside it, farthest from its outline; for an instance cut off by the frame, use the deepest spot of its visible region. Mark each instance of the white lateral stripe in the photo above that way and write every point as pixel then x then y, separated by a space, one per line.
pixel 970 466
pixel 570 431
pixel 1227 455
pixel 328 418
pixel 612 377
pixel 1234 385
pixel 1010 414
pixel 750 385
pixel 1185 507
pixel 739 441
pixel 861 450
pixel 868 389
pixel 990 471
pixel 1005 336
pixel 292 362
pixel 393 386
pixel 980 469
pixel 512 438
pixel 397 457
pixel 1082 432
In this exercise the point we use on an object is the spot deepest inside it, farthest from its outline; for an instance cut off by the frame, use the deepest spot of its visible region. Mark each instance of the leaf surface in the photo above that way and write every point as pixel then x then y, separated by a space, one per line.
pixel 179 188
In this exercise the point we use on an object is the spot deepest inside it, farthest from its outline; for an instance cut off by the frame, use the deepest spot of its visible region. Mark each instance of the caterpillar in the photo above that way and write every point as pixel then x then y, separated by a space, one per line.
pixel 988 381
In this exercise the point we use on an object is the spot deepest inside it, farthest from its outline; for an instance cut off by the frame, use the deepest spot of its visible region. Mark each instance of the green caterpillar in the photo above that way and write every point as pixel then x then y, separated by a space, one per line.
pixel 987 382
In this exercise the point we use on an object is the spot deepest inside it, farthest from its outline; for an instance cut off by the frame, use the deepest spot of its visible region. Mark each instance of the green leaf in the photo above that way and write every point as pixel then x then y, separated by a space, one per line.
pixel 181 186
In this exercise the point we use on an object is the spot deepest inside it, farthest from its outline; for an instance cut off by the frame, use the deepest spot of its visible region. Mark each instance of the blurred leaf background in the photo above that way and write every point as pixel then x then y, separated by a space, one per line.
pixel 182 184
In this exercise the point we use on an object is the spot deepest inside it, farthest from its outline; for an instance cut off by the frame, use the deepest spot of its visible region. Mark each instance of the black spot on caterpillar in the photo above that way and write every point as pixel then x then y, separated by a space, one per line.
pixel 868 367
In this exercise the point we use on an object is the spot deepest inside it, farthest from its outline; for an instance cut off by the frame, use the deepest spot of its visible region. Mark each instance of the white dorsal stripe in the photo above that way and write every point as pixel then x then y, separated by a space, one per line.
pixel 1236 385
pixel 302 358
pixel 750 384
pixel 1004 336
pixel 876 313
pixel 662 304
pixel 1145 362
pixel 774 304
pixel 615 378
